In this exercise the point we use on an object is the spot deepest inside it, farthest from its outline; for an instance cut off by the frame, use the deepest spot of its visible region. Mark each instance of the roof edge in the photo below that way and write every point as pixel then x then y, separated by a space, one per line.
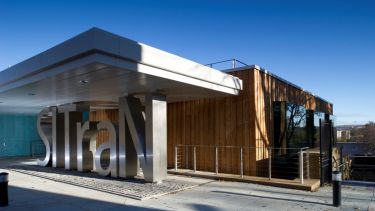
pixel 257 67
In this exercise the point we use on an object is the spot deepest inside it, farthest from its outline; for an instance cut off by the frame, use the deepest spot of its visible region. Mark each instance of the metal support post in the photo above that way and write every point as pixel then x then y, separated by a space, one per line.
pixel 301 166
pixel 4 189
pixel 216 161
pixel 241 160
pixel 269 162
pixel 195 159
pixel 175 158
pixel 336 188
pixel 307 164
pixel 186 157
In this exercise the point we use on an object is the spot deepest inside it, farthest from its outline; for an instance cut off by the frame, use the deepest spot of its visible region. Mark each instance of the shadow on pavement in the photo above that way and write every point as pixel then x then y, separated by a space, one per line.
pixel 204 207
pixel 273 198
pixel 28 199
pixel 307 195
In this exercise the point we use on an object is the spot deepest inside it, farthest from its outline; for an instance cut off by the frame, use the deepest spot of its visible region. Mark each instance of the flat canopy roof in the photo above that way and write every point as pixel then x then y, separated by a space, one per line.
pixel 100 66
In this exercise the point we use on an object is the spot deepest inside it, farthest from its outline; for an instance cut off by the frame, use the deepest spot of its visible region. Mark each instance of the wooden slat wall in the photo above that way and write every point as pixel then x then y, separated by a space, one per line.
pixel 244 120
pixel 103 115
pixel 215 122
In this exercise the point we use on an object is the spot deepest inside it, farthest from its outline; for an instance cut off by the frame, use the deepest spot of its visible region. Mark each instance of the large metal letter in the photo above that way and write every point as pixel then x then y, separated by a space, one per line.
pixel 112 146
pixel 128 160
pixel 98 157
pixel 46 137
pixel 57 139
pixel 71 117
pixel 85 134
pixel 150 136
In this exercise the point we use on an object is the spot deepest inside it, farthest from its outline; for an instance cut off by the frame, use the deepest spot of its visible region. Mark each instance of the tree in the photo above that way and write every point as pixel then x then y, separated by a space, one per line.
pixel 296 116
pixel 365 134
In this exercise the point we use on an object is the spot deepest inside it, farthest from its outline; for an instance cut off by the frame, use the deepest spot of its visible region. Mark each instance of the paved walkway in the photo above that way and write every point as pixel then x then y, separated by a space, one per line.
pixel 34 193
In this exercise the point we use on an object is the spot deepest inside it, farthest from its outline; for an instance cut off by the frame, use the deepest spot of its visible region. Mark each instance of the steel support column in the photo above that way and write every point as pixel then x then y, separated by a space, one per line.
pixel 156 136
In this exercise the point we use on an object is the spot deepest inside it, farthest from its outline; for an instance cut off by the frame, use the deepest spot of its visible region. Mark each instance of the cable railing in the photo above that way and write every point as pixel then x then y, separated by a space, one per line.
pixel 233 62
pixel 270 162
pixel 362 167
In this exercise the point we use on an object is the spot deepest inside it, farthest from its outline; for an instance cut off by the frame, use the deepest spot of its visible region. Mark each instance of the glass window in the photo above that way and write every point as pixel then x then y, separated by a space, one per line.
pixel 296 127
pixel 290 126
pixel 296 134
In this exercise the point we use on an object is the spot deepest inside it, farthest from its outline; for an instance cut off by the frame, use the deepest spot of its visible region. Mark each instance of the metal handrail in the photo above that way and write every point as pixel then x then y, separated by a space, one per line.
pixel 299 151
pixel 361 156
pixel 191 145
pixel 234 62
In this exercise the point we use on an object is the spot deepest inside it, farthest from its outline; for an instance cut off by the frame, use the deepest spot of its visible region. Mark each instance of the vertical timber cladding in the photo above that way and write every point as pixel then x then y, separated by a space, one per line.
pixel 214 122
pixel 244 120
pixel 103 115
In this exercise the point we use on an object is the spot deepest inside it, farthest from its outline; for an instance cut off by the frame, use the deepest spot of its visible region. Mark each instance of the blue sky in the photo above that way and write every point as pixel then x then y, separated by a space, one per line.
pixel 327 47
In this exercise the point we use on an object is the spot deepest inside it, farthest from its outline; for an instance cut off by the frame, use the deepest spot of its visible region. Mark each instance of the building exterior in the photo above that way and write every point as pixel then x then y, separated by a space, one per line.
pixel 270 116
pixel 343 135
pixel 98 70
pixel 99 96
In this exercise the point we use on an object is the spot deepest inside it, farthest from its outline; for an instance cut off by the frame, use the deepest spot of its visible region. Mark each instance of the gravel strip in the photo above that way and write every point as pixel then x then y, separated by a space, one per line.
pixel 133 188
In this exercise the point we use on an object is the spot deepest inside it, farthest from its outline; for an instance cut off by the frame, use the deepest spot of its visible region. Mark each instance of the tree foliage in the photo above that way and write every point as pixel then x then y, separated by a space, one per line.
pixel 365 134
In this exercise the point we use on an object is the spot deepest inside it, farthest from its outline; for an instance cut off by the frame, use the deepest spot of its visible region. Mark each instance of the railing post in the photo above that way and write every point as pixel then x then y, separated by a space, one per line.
pixel 175 158
pixel 216 161
pixel 301 165
pixel 241 160
pixel 307 164
pixel 269 163
pixel 186 157
pixel 195 159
